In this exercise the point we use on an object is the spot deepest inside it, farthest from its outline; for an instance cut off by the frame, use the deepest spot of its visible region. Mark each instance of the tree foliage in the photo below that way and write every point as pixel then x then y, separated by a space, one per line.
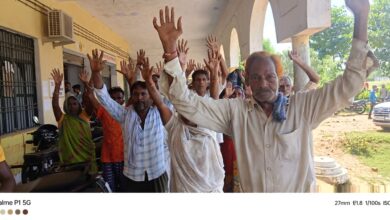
pixel 327 67
pixel 379 33
pixel 267 46
pixel 288 67
pixel 336 40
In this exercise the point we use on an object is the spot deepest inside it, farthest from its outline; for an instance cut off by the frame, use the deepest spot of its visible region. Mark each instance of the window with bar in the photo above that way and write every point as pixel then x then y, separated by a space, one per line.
pixel 18 93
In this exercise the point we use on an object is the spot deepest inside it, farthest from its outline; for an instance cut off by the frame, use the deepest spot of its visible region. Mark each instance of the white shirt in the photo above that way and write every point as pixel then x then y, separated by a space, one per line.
pixel 272 156
pixel 196 159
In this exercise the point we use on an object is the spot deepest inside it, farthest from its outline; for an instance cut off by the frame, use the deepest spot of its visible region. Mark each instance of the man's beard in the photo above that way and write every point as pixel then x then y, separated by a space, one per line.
pixel 265 95
pixel 140 106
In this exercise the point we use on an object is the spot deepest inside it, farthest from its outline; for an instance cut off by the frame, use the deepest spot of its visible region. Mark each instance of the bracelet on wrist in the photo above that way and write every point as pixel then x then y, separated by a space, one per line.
pixel 169 54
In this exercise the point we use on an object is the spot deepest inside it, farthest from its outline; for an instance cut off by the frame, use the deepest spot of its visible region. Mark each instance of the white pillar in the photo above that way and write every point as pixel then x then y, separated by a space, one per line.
pixel 301 45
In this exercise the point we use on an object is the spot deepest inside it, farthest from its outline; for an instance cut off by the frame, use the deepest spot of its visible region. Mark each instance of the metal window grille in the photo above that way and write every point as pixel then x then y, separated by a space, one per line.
pixel 18 96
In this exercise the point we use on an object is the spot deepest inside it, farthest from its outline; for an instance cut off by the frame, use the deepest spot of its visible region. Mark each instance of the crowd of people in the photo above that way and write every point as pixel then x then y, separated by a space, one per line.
pixel 198 128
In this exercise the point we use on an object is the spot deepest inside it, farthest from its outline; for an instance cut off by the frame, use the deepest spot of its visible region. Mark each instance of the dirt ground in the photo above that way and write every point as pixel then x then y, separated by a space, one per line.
pixel 327 142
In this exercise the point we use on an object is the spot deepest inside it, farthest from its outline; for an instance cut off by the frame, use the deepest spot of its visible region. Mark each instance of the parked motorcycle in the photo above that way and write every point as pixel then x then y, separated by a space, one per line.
pixel 42 171
pixel 358 106
pixel 44 159
pixel 67 178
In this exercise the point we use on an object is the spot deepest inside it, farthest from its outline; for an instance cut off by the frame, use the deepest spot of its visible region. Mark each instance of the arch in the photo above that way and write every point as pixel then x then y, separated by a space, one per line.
pixel 257 25
pixel 222 52
pixel 235 53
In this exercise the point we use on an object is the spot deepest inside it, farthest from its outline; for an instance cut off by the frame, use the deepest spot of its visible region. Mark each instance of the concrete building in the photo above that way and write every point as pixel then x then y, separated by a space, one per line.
pixel 30 56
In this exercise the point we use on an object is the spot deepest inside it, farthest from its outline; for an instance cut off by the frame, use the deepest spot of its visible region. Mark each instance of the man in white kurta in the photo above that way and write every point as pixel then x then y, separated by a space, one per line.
pixel 273 156
pixel 196 160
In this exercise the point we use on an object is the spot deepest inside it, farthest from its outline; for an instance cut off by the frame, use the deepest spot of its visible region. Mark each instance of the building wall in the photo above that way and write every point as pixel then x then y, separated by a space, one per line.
pixel 292 18
pixel 28 17
pixel 295 17
pixel 247 17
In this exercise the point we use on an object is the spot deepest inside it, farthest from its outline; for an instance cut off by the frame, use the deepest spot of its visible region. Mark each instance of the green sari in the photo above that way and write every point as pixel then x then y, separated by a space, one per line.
pixel 75 142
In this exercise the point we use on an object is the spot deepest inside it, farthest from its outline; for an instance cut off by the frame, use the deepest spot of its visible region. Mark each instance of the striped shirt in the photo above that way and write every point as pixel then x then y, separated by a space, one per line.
pixel 144 149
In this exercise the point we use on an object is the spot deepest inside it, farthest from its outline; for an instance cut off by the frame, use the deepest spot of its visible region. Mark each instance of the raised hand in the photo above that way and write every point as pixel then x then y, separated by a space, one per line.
pixel 213 66
pixel 96 61
pixel 57 76
pixel 190 67
pixel 212 43
pixel 159 68
pixel 248 92
pixel 88 90
pixel 127 69
pixel 294 56
pixel 358 7
pixel 182 52
pixel 97 65
pixel 140 57
pixel 147 71
pixel 167 31
pixel 84 77
pixel 310 72
pixel 213 63
pixel 200 66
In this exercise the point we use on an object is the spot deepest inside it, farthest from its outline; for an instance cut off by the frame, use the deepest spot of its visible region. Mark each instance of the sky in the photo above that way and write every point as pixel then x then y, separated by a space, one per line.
pixel 269 27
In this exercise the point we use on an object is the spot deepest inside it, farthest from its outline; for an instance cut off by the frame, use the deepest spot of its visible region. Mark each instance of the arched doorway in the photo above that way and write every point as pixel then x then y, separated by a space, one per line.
pixel 222 52
pixel 235 53
pixel 257 25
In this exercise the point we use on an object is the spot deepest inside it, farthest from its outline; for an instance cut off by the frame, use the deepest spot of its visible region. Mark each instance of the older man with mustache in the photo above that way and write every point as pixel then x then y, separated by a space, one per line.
pixel 273 141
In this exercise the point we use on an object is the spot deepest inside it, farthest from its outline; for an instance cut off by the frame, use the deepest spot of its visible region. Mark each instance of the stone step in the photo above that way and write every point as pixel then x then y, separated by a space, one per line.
pixel 329 170
pixel 340 178
pixel 324 162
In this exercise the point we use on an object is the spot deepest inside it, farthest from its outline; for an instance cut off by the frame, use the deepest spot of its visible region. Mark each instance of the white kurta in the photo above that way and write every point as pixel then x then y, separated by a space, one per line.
pixel 272 156
pixel 196 160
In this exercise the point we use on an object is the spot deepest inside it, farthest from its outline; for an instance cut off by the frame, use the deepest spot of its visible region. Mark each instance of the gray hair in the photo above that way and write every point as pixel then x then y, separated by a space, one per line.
pixel 286 78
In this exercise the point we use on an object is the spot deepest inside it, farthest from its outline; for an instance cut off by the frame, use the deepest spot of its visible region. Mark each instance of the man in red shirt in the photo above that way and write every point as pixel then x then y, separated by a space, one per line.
pixel 112 148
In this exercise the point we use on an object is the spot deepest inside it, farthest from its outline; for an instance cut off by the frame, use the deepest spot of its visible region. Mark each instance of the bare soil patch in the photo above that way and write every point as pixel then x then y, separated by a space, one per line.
pixel 327 142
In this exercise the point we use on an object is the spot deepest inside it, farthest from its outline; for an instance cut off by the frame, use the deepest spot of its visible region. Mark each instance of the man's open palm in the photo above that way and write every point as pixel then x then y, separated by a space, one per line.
pixel 167 30
pixel 96 61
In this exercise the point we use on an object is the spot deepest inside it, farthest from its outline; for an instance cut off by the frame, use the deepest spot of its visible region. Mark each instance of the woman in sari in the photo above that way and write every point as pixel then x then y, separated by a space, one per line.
pixel 75 140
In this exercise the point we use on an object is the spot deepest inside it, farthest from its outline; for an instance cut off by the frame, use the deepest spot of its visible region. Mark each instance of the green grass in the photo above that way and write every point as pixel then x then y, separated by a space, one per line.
pixel 372 148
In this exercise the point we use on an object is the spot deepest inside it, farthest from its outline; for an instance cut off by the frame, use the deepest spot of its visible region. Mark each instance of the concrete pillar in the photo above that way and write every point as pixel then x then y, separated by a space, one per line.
pixel 301 45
